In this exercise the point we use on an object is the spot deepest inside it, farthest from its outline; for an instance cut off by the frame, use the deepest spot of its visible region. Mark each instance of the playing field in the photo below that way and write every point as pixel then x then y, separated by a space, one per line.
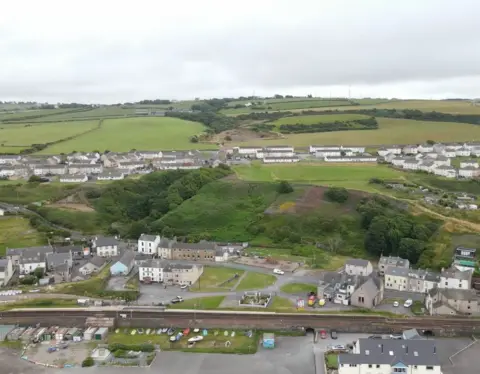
pixel 390 131
pixel 125 134
pixel 310 120
pixel 15 137
pixel 341 175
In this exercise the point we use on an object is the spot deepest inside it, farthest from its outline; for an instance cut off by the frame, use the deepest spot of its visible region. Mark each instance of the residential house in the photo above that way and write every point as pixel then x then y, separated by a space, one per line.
pixel 13 170
pixel 475 151
pixel 392 261
pixel 469 163
pixel 85 168
pixel 455 279
pixel 276 160
pixel 450 152
pixel 356 266
pixel 105 247
pixel 94 265
pixel 6 271
pixel 463 152
pixel 203 251
pixel 427 166
pixel 410 150
pixel 182 274
pixel 369 293
pixel 247 151
pixel 179 165
pixel 441 160
pixel 445 171
pixel 451 301
pixel 111 176
pixel 389 157
pixel 396 150
pixel 80 178
pixel 148 155
pixel 336 287
pixel 141 258
pixel 352 159
pixel 125 265
pixel 464 258
pixel 454 146
pixel 151 271
pixel 270 152
pixel 324 148
pixel 77 251
pixel 2 212
pixel 131 165
pixel 59 262
pixel 10 159
pixel 398 161
pixel 327 153
pixel 388 356
pixel 148 243
pixel 165 248
pixel 396 278
pixel 425 148
pixel 468 172
pixel 422 281
pixel 439 147
pixel 33 258
pixel 45 169
pixel 83 157
pixel 411 164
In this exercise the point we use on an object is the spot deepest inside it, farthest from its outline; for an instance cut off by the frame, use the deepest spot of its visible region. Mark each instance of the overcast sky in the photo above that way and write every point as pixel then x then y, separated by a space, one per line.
pixel 116 51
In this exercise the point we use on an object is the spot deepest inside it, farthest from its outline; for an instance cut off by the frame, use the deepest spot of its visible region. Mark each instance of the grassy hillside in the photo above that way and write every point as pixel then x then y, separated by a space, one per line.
pixel 135 133
pixel 390 131
pixel 309 120
pixel 17 232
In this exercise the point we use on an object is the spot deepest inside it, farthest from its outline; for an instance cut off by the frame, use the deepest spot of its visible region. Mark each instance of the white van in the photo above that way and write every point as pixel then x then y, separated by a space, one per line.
pixel 278 271
pixel 408 303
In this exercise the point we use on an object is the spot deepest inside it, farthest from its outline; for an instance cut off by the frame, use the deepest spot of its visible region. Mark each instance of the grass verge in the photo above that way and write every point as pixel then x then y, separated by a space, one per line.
pixel 216 279
pixel 298 288
pixel 203 303
pixel 256 281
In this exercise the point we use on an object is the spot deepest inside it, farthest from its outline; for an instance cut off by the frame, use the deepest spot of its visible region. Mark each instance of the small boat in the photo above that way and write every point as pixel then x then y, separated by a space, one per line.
pixel 147 332
pixel 133 332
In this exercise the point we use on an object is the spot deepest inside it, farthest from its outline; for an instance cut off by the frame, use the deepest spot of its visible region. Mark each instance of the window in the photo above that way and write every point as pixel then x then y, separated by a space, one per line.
pixel 369 366
pixel 399 370
pixel 378 366
pixel 429 367
pixel 415 367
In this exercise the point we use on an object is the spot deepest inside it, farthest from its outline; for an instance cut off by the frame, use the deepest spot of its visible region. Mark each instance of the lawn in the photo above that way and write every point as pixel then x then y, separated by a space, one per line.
pixel 125 134
pixel 298 288
pixel 203 303
pixel 214 342
pixel 390 131
pixel 331 361
pixel 215 279
pixel 281 254
pixel 314 119
pixel 16 232
pixel 341 175
pixel 41 303
pixel 281 304
pixel 23 136
pixel 256 281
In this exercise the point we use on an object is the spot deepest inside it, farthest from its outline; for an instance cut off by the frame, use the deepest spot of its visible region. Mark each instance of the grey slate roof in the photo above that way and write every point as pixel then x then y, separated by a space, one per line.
pixel 57 259
pixel 3 264
pixel 28 251
pixel 97 261
pixel 394 261
pixel 455 294
pixel 392 352
pixel 127 258
pixel 457 274
pixel 104 242
pixel 148 238
pixel 396 272
pixel 357 262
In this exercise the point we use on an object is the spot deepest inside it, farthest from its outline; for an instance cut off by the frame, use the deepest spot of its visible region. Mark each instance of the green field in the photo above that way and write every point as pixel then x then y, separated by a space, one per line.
pixel 16 232
pixel 342 175
pixel 212 278
pixel 125 134
pixel 314 119
pixel 390 131
pixel 255 281
pixel 298 288
pixel 203 303
pixel 6 116
pixel 24 136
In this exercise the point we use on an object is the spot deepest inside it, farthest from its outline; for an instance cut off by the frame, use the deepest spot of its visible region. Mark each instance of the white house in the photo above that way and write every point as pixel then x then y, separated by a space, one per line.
pixel 468 172
pixel 441 160
pixel 6 271
pixel 149 155
pixel 425 148
pixel 105 247
pixel 2 212
pixel 455 279
pixel 463 152
pixel 354 148
pixel 131 165
pixel 439 147
pixel 356 266
pixel 80 178
pixel 398 161
pixel 411 165
pixel 31 260
pixel 151 271
pixel 276 160
pixel 247 150
pixel 475 151
pixel 327 153
pixel 396 278
pixel 324 148
pixel 274 148
pixel 391 356
pixel 410 150
pixel 392 149
pixel 427 166
pixel 445 171
pixel 454 146
pixel 9 159
pixel 110 176
pixel 49 169
pixel 351 159
pixel 432 155
pixel 450 152
pixel 85 168
pixel 268 152
pixel 148 243
pixel 469 163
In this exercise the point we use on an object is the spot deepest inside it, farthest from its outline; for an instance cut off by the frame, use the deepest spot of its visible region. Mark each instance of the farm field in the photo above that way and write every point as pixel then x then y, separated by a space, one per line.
pixel 105 112
pixel 310 120
pixel 390 131
pixel 349 176
pixel 25 136
pixel 444 106
pixel 125 134
pixel 5 116
pixel 17 232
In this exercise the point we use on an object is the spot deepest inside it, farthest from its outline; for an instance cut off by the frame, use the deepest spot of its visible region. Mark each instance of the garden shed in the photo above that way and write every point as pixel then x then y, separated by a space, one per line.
pixel 101 333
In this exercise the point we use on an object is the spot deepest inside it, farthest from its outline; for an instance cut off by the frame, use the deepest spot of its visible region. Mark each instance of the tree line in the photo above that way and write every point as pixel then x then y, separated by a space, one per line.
pixel 358 124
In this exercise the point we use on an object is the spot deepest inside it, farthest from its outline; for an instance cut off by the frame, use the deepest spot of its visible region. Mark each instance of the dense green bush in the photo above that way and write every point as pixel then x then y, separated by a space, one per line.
pixel 337 194
pixel 88 362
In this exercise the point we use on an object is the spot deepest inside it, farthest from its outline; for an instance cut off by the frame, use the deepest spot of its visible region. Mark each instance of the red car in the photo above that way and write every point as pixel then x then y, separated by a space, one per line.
pixel 323 334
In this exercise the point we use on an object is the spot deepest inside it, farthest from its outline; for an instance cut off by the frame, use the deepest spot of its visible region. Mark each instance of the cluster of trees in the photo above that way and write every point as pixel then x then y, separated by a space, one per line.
pixel 358 124
pixel 284 187
pixel 391 230
pixel 155 102
pixel 33 277
pixel 337 194
pixel 133 205
pixel 215 122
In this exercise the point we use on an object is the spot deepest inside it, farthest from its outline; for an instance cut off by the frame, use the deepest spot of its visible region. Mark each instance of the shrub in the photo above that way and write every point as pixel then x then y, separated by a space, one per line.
pixel 337 194
pixel 88 362
pixel 285 187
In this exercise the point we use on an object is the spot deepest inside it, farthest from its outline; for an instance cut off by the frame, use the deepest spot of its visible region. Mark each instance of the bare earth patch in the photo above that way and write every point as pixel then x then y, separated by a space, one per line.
pixel 245 135
pixel 264 263
pixel 73 206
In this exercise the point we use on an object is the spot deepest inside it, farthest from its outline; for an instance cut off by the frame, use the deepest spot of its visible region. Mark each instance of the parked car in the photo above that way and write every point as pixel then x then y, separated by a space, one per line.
pixel 396 336
pixel 395 304
pixel 278 271
pixel 323 334
pixel 408 303
pixel 333 334
pixel 176 301
pixel 339 347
